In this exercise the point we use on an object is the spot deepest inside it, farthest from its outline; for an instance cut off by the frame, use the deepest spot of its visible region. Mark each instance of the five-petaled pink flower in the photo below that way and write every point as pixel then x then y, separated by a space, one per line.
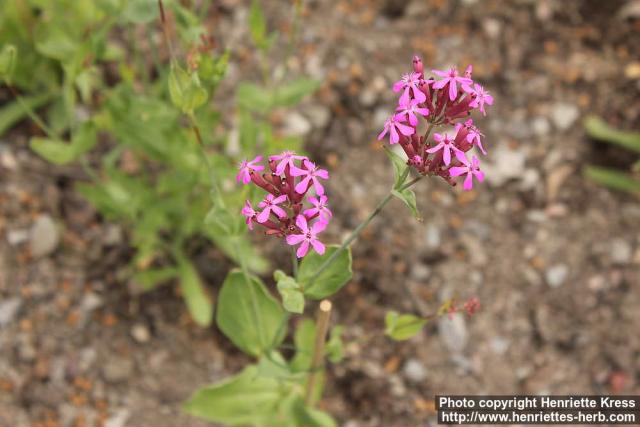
pixel 445 143
pixel 473 134
pixel 410 82
pixel 284 159
pixel 410 109
pixel 308 236
pixel 393 125
pixel 452 78
pixel 246 167
pixel 270 204
pixel 249 213
pixel 319 208
pixel 312 173
pixel 481 97
pixel 471 169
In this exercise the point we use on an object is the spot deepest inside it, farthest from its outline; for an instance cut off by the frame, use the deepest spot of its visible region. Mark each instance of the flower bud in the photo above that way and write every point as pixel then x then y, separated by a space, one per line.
pixel 417 64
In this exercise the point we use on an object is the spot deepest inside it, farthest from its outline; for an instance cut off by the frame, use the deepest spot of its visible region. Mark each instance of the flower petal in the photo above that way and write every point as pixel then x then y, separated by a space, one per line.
pixel 303 249
pixel 318 246
pixel 294 239
pixel 301 222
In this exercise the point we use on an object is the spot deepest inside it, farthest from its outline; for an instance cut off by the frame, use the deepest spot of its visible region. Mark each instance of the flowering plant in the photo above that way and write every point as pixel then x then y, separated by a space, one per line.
pixel 295 209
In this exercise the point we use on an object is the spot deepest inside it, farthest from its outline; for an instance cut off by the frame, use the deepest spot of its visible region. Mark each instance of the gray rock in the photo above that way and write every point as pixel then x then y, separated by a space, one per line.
pixel 117 370
pixel 398 389
pixel 540 126
pixel 420 272
pixel 492 27
pixel 564 115
pixel 621 251
pixel 140 333
pixel 499 345
pixel 8 310
pixel 453 332
pixel 556 275
pixel 506 164
pixel 44 236
pixel 368 97
pixel 432 237
pixel 119 419
pixel 296 124
pixel 113 235
pixel 91 301
pixel 16 237
pixel 414 370
pixel 319 115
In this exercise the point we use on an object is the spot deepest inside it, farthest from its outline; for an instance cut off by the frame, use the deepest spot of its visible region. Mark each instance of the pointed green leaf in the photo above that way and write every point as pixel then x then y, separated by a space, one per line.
pixel 257 24
pixel 402 327
pixel 613 179
pixel 185 90
pixel 289 289
pixel 335 348
pixel 55 151
pixel 599 129
pixel 7 62
pixel 248 315
pixel 141 11
pixel 408 197
pixel 306 416
pixel 400 168
pixel 12 113
pixel 334 277
pixel 149 279
pixel 244 399
pixel 193 293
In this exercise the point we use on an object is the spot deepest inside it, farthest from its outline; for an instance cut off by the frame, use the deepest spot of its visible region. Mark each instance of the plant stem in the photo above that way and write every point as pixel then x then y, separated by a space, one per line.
pixel 32 114
pixel 355 233
pixel 294 262
pixel 317 360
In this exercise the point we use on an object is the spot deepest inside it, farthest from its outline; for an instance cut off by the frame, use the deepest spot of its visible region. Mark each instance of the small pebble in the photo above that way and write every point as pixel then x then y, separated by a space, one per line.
pixel 140 333
pixel 414 371
pixel 556 275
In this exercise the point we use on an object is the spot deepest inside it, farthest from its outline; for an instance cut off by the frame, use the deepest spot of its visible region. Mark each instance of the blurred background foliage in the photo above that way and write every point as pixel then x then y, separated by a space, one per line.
pixel 139 116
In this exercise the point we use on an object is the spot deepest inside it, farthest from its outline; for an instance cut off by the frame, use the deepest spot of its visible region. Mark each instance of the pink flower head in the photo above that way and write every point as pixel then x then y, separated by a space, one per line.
pixel 445 143
pixel 410 83
pixel 452 78
pixel 481 97
pixel 246 167
pixel 473 134
pixel 319 208
pixel 284 159
pixel 307 237
pixel 270 204
pixel 472 305
pixel 393 125
pixel 471 169
pixel 410 109
pixel 249 213
pixel 311 173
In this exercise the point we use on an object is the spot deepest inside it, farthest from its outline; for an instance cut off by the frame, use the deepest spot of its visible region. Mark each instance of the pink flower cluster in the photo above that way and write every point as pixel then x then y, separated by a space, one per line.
pixel 447 99
pixel 282 212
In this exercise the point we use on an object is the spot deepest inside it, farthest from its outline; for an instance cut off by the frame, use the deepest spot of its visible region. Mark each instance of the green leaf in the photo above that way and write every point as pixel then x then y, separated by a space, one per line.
pixel 306 416
pixel 598 128
pixel 331 279
pixel 289 95
pixel 186 91
pixel 244 399
pixel 55 151
pixel 149 279
pixel 141 11
pixel 400 167
pixel 273 365
pixel 13 112
pixel 335 348
pixel 7 62
pixel 402 327
pixel 292 296
pixel 193 292
pixel 613 179
pixel 257 24
pixel 408 197
pixel 248 315
pixel 253 97
pixel 303 339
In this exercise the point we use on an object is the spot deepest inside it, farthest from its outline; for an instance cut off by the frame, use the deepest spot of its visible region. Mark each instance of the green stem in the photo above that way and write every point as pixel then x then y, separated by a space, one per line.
pixel 294 261
pixel 355 233
pixel 32 114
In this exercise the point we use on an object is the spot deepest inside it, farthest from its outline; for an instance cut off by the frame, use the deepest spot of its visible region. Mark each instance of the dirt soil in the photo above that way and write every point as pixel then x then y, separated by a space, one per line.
pixel 554 259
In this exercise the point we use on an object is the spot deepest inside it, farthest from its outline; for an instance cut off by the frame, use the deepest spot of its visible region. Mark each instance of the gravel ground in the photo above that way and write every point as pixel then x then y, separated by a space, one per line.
pixel 554 259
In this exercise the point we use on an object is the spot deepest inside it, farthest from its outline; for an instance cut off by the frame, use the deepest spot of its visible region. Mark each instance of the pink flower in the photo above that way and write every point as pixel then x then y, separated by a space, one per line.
pixel 246 167
pixel 270 204
pixel 319 208
pixel 410 82
pixel 409 110
pixel 452 78
pixel 284 159
pixel 473 134
pixel 308 236
pixel 249 213
pixel 481 97
pixel 446 145
pixel 418 67
pixel 471 169
pixel 393 125
pixel 312 173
